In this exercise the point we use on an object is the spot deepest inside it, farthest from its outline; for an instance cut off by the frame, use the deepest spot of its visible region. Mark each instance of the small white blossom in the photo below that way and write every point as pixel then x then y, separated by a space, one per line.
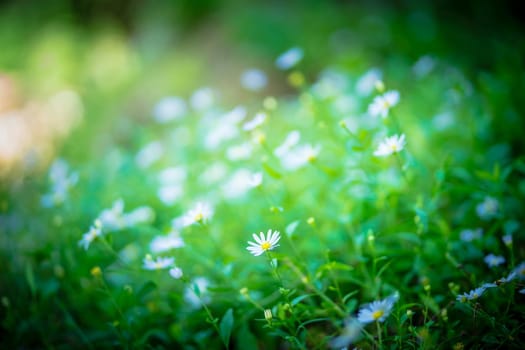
pixel 139 215
pixel 390 145
pixel 158 264
pixel 169 108
pixel 149 154
pixel 194 300
pixel 164 243
pixel 472 295
pixel 61 182
pixel 289 58
pixel 366 84
pixel 202 99
pixel 423 66
pixel 381 105
pixel 176 272
pixel 253 79
pixel 88 237
pixel 520 271
pixel 377 311
pixel 239 152
pixel 350 334
pixel 488 209
pixel 262 244
pixel 299 156
pixel 200 213
pixel 292 139
pixel 258 120
pixel 170 194
pixel 494 260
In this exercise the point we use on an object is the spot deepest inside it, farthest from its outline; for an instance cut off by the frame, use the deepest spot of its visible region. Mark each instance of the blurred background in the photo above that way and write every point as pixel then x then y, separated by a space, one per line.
pixel 87 81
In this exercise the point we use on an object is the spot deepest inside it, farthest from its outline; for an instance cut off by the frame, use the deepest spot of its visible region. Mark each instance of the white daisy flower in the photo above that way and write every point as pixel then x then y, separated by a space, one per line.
pixel 158 264
pixel 382 104
pixel 176 272
pixel 300 156
pixel 377 311
pixel 488 209
pixel 263 244
pixel 88 237
pixel 254 79
pixel 390 145
pixel 200 213
pixel 366 84
pixel 164 243
pixel 292 139
pixel 494 260
pixel 512 276
pixel 472 295
pixel 255 122
pixel 194 300
pixel 289 58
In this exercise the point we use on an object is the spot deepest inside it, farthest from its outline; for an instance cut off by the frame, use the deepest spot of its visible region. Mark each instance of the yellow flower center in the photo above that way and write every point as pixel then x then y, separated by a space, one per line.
pixel 199 217
pixel 265 245
pixel 377 314
pixel 394 148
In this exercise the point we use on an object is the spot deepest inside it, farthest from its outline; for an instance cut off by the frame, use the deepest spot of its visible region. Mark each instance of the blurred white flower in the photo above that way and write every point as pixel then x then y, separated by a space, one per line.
pixel 472 295
pixel 494 260
pixel 520 271
pixel 507 240
pixel 256 179
pixel 423 66
pixel 239 183
pixel 158 264
pixel 390 145
pixel 258 120
pixel 488 209
pixel 263 244
pixel 289 58
pixel 331 83
pixel 176 272
pixel 202 212
pixel 164 243
pixel 88 237
pixel 254 79
pixel 468 235
pixel 169 108
pixel 213 173
pixel 61 182
pixel 173 175
pixel 382 104
pixel 112 218
pixel 202 99
pixel 239 152
pixel 443 120
pixel 350 334
pixel 291 140
pixel 377 311
pixel 300 156
pixel 139 215
pixel 366 84
pixel 149 154
pixel 194 300
pixel 169 194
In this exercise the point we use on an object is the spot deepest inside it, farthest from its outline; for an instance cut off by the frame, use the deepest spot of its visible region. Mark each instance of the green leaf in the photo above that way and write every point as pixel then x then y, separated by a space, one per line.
pixel 271 171
pixel 226 326
pixel 147 288
pixel 30 277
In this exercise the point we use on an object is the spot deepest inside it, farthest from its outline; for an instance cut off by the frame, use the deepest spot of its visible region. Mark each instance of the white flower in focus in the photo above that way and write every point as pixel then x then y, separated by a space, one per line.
pixel 164 243
pixel 158 264
pixel 255 122
pixel 176 272
pixel 289 58
pixel 200 213
pixel 351 333
pixel 202 99
pixel 377 311
pixel 468 235
pixel 488 209
pixel 382 104
pixel 494 260
pixel 263 244
pixel 390 145
pixel 149 154
pixel 253 79
pixel 169 108
pixel 366 84
pixel 88 237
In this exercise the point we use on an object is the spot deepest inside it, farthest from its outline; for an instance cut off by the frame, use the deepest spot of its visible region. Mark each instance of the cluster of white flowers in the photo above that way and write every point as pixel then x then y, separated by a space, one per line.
pixel 62 179
pixel 517 273
pixel 114 219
